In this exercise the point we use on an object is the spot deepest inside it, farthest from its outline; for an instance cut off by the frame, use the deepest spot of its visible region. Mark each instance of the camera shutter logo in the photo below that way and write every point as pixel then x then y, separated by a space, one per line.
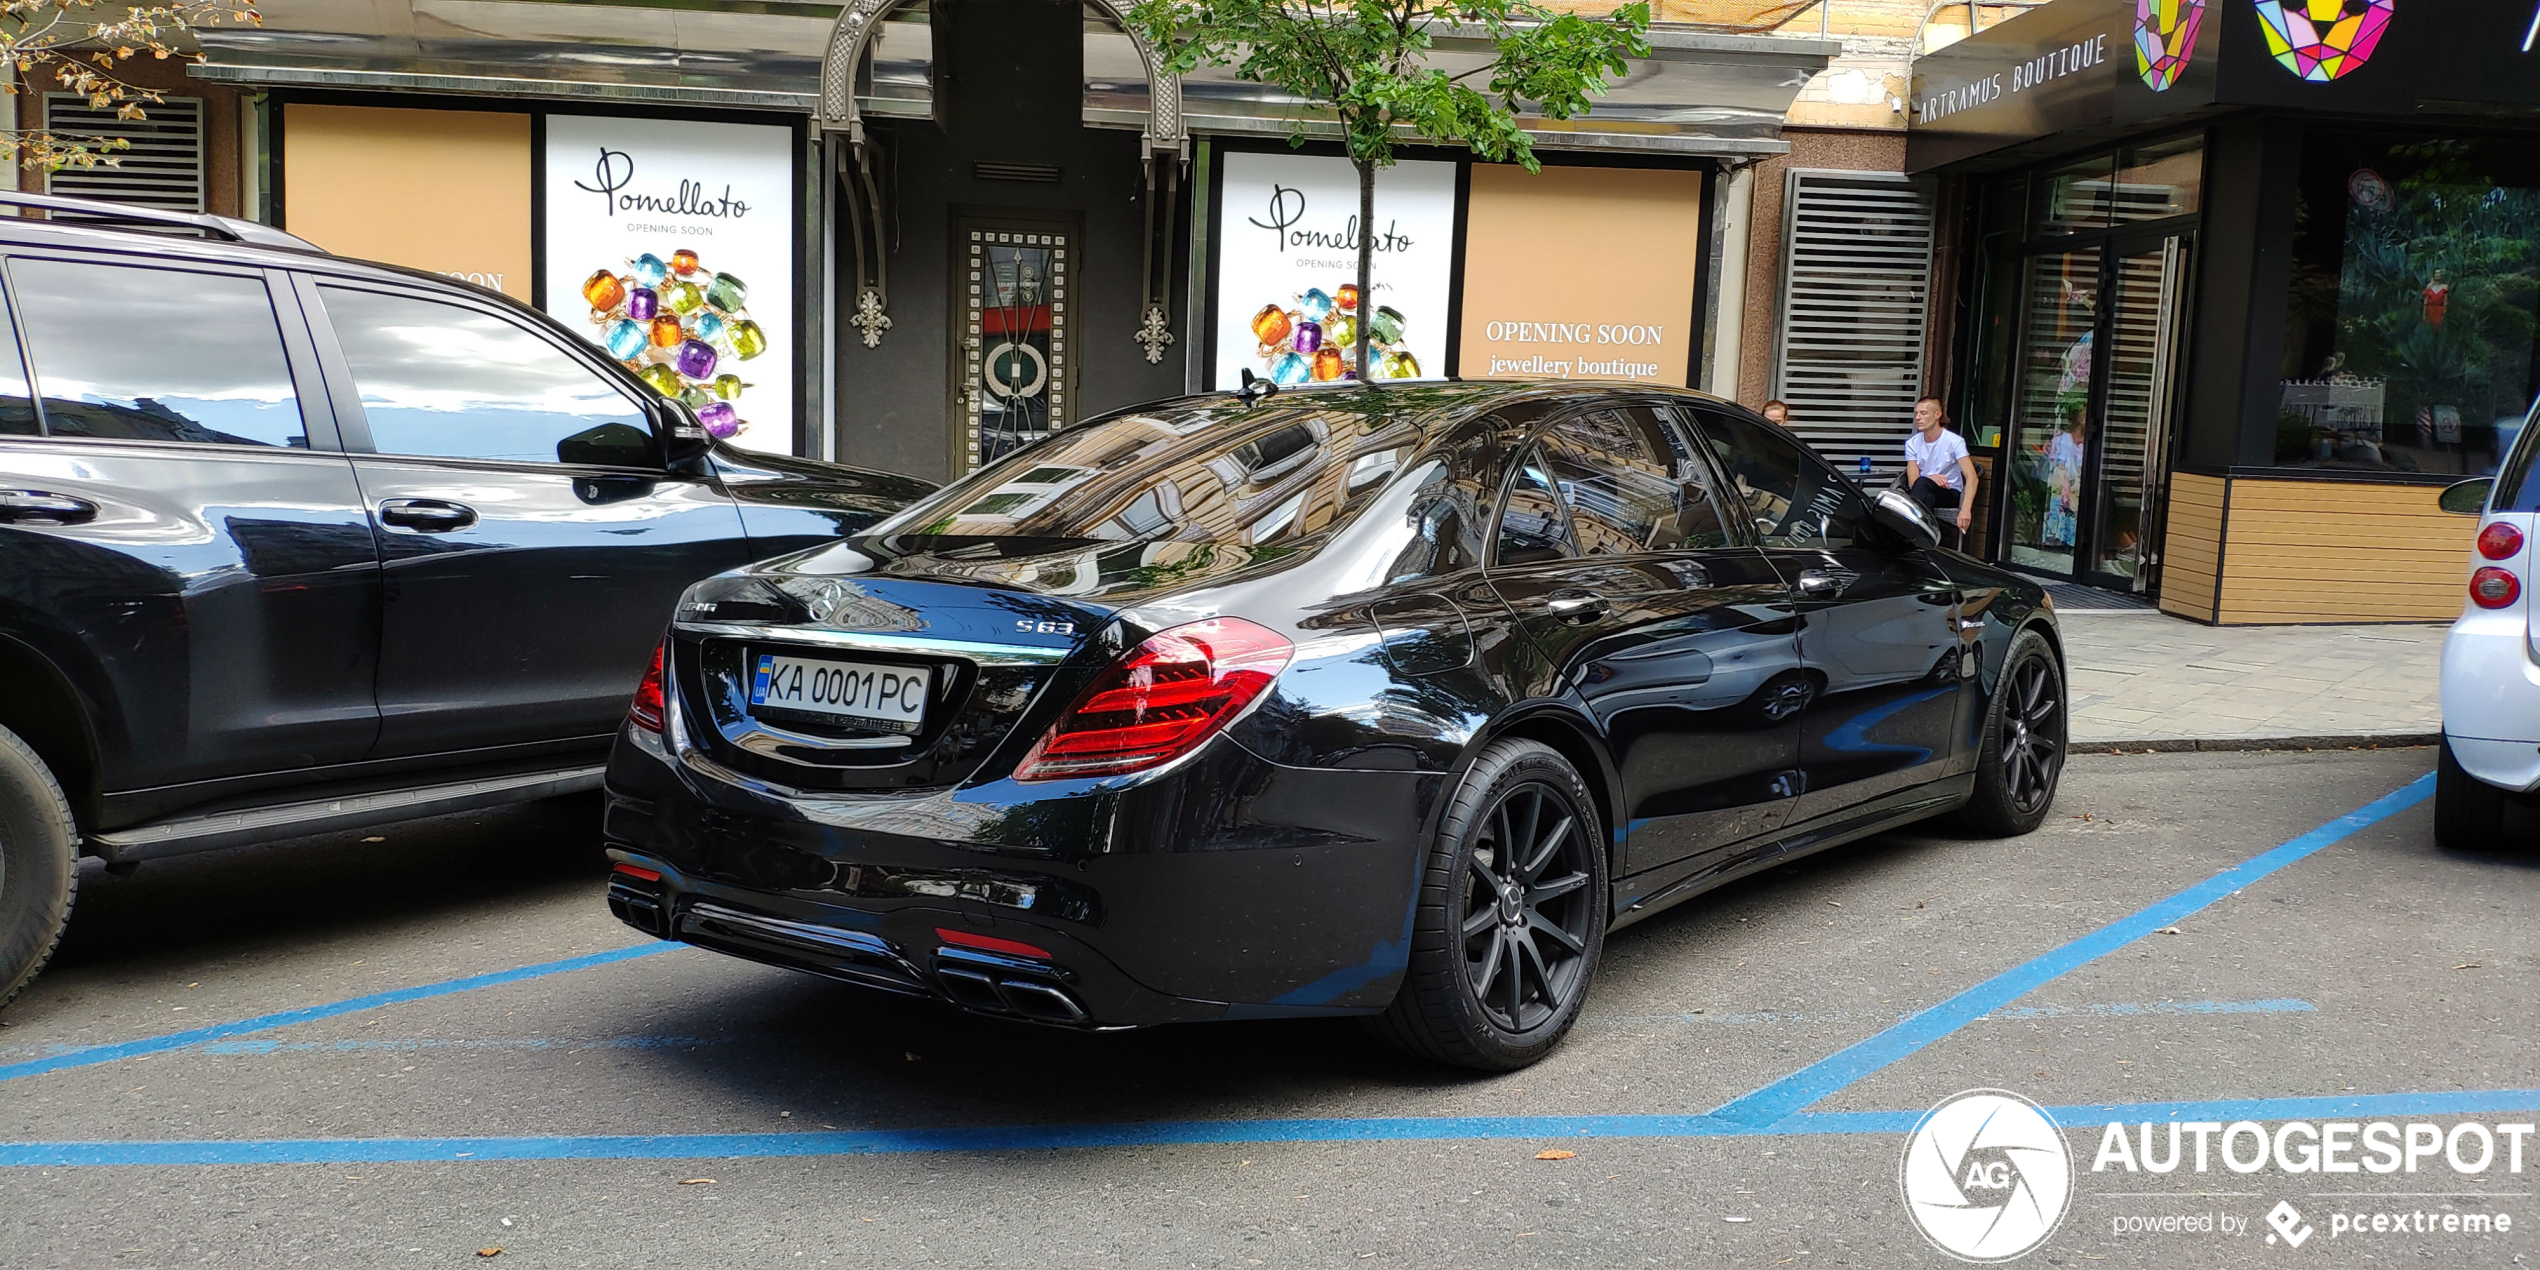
pixel 1986 1176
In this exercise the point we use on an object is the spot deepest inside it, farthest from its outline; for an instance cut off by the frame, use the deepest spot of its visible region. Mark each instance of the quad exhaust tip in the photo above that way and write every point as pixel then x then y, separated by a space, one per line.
pixel 1010 995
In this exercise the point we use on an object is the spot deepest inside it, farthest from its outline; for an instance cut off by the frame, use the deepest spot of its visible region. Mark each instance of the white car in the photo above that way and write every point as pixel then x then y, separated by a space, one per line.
pixel 2491 659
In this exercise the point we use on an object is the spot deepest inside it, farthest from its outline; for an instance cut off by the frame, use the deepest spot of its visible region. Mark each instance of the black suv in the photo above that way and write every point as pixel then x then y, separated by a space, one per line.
pixel 290 543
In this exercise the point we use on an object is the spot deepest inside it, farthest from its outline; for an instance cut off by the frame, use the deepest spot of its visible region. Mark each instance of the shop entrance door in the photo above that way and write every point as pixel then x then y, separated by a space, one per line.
pixel 2090 420
pixel 1011 373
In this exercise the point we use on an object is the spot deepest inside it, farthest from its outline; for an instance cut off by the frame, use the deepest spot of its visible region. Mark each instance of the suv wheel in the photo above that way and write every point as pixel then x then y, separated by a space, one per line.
pixel 1511 916
pixel 39 864
pixel 2024 739
pixel 2469 813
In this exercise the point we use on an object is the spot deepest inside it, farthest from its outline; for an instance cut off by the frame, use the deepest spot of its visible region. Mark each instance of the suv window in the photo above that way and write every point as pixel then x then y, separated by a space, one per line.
pixel 1625 496
pixel 1532 525
pixel 17 407
pixel 445 381
pixel 1796 500
pixel 128 353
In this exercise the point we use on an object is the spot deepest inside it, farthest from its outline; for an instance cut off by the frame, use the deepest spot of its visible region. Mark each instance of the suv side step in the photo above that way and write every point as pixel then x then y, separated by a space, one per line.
pixel 183 834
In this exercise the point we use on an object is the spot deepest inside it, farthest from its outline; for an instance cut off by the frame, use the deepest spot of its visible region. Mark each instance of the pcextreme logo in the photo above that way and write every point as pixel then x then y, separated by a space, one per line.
pixel 1986 1176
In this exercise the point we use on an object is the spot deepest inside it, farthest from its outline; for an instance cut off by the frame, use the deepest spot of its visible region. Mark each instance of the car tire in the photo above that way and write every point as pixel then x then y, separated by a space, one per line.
pixel 39 864
pixel 2469 813
pixel 2025 741
pixel 1504 944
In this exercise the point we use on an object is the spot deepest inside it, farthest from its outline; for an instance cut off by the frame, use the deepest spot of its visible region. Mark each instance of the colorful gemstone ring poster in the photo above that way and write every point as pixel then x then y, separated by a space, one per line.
pixel 671 244
pixel 1287 269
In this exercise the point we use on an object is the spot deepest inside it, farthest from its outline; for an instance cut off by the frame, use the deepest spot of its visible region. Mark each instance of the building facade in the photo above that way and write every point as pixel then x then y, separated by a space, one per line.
pixel 2236 290
pixel 923 232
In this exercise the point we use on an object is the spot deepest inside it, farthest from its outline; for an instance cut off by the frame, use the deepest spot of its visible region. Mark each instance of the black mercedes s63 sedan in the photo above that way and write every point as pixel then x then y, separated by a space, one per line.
pixel 1384 701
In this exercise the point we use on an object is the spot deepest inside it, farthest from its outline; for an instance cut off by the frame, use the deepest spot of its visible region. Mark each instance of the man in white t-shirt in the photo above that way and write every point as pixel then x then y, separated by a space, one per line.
pixel 1938 470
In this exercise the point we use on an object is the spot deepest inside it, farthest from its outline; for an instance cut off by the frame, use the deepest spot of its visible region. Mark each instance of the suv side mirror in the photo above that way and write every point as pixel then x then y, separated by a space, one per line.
pixel 685 441
pixel 2466 498
pixel 1898 513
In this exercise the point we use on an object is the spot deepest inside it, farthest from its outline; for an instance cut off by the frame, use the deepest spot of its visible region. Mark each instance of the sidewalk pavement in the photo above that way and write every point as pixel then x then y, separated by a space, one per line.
pixel 2146 680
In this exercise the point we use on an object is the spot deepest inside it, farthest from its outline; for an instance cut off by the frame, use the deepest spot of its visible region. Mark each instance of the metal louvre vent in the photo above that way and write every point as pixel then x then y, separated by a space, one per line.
pixel 1856 281
pixel 164 166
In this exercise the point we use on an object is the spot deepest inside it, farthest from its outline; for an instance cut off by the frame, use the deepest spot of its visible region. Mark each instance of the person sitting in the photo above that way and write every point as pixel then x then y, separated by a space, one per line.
pixel 1938 470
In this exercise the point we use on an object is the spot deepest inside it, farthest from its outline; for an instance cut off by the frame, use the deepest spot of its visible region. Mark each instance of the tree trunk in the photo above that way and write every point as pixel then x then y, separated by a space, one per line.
pixel 1366 263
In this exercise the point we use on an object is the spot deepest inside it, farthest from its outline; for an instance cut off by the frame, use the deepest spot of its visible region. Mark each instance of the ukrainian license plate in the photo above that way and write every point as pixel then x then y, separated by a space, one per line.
pixel 859 694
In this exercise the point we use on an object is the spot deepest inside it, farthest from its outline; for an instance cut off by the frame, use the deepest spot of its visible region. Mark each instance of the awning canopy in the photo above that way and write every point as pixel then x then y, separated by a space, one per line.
pixel 1695 94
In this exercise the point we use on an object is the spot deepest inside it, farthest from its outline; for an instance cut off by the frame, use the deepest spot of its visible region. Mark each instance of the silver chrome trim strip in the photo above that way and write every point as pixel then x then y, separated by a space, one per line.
pixel 884 642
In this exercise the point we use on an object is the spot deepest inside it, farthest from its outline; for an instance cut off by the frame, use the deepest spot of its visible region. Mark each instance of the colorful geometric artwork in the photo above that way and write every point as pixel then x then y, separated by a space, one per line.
pixel 2164 38
pixel 2321 40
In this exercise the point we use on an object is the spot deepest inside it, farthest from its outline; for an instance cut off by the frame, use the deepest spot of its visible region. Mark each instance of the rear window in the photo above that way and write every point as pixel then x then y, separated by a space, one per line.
pixel 2515 490
pixel 1262 477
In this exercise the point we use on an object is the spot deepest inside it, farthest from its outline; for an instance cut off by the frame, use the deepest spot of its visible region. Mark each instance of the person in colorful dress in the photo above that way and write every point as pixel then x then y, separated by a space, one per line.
pixel 2063 483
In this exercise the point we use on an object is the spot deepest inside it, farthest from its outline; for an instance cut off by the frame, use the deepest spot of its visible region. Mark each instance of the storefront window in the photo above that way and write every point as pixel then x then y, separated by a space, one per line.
pixel 2159 180
pixel 2414 312
pixel 2075 197
pixel 2050 423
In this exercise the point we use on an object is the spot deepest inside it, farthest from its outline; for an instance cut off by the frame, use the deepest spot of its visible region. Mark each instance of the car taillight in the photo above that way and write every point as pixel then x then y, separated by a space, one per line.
pixel 1158 703
pixel 2494 588
pixel 2499 540
pixel 646 711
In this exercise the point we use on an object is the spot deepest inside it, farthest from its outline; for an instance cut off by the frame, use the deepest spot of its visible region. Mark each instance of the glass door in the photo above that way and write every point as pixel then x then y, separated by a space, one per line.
pixel 1010 359
pixel 2051 399
pixel 2147 307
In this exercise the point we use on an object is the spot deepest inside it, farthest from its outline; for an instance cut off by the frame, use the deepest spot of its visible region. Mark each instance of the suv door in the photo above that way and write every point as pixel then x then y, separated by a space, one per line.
pixel 532 540
pixel 1677 639
pixel 1878 623
pixel 179 534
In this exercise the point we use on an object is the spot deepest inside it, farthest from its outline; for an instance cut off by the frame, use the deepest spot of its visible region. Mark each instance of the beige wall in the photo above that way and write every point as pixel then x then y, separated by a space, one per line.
pixel 1546 251
pixel 443 190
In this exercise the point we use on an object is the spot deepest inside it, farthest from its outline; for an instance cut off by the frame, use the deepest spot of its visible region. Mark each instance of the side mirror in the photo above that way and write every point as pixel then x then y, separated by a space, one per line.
pixel 1899 514
pixel 685 441
pixel 2466 498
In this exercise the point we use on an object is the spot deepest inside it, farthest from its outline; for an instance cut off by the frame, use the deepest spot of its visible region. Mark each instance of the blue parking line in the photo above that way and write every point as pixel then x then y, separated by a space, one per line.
pixel 744 1146
pixel 95 1054
pixel 1810 1085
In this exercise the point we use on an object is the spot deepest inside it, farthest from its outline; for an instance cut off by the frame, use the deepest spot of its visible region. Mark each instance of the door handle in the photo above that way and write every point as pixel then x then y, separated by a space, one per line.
pixel 1576 607
pixel 426 515
pixel 43 507
pixel 1819 582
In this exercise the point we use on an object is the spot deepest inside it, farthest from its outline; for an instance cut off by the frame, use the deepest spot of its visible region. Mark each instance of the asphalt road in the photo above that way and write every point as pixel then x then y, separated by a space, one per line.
pixel 1739 1092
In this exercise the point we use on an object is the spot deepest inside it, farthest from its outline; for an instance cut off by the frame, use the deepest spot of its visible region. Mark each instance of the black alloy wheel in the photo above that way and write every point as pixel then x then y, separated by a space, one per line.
pixel 2024 746
pixel 1526 908
pixel 39 864
pixel 1510 917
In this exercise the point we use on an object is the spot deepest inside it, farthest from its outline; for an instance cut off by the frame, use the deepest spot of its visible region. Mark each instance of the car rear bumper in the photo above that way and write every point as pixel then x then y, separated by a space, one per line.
pixel 2491 698
pixel 1229 886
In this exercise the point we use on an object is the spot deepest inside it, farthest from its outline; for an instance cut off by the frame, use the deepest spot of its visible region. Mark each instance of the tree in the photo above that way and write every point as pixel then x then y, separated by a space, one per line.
pixel 83 46
pixel 1367 61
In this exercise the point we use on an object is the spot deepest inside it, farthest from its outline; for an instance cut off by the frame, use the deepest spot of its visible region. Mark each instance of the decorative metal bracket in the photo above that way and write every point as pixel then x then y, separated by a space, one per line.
pixel 865 219
pixel 870 319
pixel 1156 277
pixel 853 33
pixel 1154 333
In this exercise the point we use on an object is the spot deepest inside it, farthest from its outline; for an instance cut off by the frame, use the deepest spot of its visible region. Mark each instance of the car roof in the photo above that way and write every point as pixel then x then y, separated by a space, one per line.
pixel 196 237
pixel 1446 401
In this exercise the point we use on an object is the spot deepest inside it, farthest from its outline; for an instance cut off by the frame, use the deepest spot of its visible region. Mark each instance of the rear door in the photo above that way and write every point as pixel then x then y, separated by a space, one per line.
pixel 532 541
pixel 1678 640
pixel 1878 624
pixel 178 530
